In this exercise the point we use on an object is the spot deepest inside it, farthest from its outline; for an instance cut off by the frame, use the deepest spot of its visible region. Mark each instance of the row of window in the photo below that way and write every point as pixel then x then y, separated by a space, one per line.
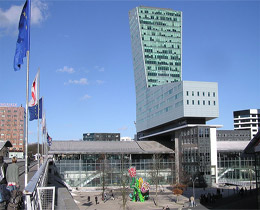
pixel 198 102
pixel 14 134
pixel 9 115
pixel 248 120
pixel 203 93
pixel 7 111
pixel 21 125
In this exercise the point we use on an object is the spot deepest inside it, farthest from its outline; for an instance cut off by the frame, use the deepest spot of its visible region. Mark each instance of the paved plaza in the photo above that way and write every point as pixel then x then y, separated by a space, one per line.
pixel 165 197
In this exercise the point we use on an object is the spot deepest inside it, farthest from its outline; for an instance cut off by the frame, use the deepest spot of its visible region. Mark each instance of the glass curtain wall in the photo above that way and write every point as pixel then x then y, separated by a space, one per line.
pixel 91 170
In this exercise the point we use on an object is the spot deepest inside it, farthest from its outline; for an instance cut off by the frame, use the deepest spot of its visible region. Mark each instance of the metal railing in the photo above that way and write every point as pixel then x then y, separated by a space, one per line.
pixel 33 199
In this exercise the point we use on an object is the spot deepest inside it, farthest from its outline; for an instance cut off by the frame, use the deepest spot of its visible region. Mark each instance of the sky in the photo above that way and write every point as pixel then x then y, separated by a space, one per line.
pixel 83 51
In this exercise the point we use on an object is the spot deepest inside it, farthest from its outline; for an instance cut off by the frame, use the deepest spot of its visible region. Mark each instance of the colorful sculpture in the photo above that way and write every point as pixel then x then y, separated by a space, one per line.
pixel 141 188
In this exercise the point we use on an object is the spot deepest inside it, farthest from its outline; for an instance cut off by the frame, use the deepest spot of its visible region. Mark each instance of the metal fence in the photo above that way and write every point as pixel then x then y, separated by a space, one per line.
pixel 47 196
pixel 35 200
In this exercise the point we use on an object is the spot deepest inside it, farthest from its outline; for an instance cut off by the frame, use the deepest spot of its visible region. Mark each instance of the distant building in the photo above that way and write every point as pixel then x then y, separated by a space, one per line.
pixel 12 128
pixel 101 137
pixel 248 119
pixel 126 139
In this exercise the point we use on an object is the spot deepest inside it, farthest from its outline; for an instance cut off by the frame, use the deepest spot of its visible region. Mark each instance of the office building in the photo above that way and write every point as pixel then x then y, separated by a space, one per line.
pixel 12 128
pixel 101 137
pixel 248 119
pixel 169 110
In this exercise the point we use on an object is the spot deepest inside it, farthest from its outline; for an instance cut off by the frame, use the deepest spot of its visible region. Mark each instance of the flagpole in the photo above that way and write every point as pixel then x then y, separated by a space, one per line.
pixel 26 123
pixel 38 94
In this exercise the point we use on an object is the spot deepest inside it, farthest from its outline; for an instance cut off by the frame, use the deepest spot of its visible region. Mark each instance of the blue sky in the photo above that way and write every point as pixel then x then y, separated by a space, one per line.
pixel 83 51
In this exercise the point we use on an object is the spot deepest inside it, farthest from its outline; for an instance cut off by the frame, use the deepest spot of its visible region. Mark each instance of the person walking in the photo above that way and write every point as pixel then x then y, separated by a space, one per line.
pixel 96 199
pixel 12 175
pixel 192 203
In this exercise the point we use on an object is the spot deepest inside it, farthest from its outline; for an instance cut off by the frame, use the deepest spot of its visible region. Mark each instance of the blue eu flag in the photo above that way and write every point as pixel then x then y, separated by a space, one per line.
pixel 33 111
pixel 23 41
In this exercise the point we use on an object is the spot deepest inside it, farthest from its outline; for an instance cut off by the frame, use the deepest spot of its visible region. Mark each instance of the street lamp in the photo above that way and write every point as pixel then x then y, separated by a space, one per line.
pixel 193 181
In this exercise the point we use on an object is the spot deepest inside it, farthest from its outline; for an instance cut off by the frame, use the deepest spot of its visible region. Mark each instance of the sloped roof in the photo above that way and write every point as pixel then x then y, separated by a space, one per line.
pixel 107 147
pixel 5 144
pixel 223 146
pixel 253 145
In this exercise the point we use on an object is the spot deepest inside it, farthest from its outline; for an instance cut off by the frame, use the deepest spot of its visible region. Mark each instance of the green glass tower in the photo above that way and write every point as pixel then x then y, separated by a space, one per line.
pixel 156 37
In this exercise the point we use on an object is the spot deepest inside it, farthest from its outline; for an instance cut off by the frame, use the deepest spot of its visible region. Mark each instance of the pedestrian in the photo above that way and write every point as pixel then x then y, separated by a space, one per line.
pixel 96 199
pixel 192 204
pixel 167 208
pixel 3 169
pixel 12 175
pixel 112 195
pixel 88 198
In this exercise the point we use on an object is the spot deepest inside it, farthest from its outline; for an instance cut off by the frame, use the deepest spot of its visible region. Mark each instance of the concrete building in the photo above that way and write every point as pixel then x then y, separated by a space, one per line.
pixel 101 137
pixel 12 128
pixel 248 119
pixel 169 110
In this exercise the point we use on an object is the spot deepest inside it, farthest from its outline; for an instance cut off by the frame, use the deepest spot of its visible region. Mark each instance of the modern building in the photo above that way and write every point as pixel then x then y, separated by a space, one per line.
pixel 254 148
pixel 248 119
pixel 101 137
pixel 234 167
pixel 12 128
pixel 169 110
pixel 94 163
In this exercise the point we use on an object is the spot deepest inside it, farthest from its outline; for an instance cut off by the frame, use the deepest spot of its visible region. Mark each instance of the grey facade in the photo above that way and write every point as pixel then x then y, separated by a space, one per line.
pixel 168 108
pixel 101 137
pixel 233 135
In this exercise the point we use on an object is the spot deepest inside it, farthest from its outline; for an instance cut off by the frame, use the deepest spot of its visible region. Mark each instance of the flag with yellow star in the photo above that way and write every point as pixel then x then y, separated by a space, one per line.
pixel 23 41
pixel 33 111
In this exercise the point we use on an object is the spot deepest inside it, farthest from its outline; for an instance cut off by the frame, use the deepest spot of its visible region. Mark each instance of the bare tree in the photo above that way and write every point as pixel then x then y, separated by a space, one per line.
pixel 155 173
pixel 123 182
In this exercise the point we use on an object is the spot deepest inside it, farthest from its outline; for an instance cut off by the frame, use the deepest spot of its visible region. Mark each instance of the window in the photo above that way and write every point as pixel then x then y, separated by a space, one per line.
pixel 187 93
pixel 203 93
pixel 192 102
pixel 198 93
pixel 208 102
pixel 214 94
pixel 192 93
pixel 203 102
pixel 198 102
pixel 214 102
pixel 208 94
pixel 187 102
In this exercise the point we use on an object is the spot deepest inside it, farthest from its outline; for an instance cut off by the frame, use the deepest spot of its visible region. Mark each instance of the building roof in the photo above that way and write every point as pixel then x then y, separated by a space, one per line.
pixel 253 145
pixel 107 147
pixel 224 146
pixel 5 144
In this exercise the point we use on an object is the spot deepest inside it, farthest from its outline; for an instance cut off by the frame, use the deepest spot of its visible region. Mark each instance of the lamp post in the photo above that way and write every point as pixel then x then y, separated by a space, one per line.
pixel 193 181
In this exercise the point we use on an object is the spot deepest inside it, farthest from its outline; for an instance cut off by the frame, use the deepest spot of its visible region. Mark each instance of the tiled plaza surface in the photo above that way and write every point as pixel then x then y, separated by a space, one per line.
pixel 164 198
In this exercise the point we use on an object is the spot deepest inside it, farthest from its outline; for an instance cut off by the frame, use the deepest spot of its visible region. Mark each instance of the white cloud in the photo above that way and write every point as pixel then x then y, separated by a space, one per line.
pixel 124 128
pixel 101 69
pixel 67 69
pixel 82 81
pixel 100 82
pixel 9 19
pixel 86 97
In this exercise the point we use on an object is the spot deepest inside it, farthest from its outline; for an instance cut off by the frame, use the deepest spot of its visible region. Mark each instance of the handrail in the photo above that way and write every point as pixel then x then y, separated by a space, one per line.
pixel 31 186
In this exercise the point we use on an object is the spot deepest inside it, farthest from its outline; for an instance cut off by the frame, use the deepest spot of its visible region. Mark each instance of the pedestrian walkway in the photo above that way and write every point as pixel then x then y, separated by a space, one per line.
pixel 32 171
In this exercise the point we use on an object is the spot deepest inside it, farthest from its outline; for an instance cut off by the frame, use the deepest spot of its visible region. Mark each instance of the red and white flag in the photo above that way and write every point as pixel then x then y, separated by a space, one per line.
pixel 34 91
